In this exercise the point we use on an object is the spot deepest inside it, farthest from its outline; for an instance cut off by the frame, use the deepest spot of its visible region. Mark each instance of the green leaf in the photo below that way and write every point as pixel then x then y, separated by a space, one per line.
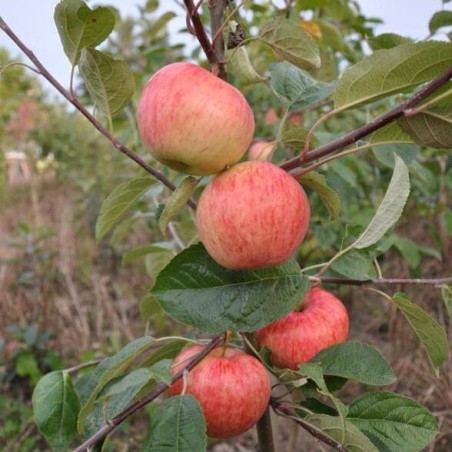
pixel 196 291
pixel 432 127
pixel 295 137
pixel 291 43
pixel 439 20
pixel 412 252
pixel 390 208
pixel 331 34
pixel 107 370
pixel 391 140
pixel 109 82
pixel 351 438
pixel 148 308
pixel 356 361
pixel 355 265
pixel 116 397
pixel 446 295
pixel 317 182
pixel 177 200
pixel 117 203
pixel 428 330
pixel 56 406
pixel 167 351
pixel 315 373
pixel 297 87
pixel 178 426
pixel 144 250
pixel 80 27
pixel 391 71
pixel 393 422
pixel 240 65
pixel 387 41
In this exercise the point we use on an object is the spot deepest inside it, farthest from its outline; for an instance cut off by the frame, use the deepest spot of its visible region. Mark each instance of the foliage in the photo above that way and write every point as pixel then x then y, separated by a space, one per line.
pixel 288 67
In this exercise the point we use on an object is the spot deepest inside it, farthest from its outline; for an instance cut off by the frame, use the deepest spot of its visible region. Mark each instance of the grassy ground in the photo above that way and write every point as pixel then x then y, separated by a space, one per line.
pixel 53 274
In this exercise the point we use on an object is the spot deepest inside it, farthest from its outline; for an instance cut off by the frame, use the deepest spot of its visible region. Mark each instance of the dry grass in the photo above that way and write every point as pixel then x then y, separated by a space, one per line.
pixel 90 302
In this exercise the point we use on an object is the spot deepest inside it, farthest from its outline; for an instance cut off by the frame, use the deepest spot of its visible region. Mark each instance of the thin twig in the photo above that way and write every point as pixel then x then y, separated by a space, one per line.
pixel 158 390
pixel 285 411
pixel 413 281
pixel 216 10
pixel 75 102
pixel 201 33
pixel 378 123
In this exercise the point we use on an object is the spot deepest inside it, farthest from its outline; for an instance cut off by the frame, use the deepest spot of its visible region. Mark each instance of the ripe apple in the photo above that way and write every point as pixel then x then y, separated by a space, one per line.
pixel 232 387
pixel 193 121
pixel 253 215
pixel 261 150
pixel 320 322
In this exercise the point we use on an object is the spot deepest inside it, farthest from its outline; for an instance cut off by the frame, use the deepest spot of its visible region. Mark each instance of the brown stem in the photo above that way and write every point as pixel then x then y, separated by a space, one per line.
pixel 378 123
pixel 216 9
pixel 158 390
pixel 201 33
pixel 355 282
pixel 75 102
pixel 284 410
pixel 264 426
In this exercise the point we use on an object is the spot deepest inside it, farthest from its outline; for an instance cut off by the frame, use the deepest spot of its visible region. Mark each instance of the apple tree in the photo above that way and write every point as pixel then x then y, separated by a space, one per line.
pixel 296 114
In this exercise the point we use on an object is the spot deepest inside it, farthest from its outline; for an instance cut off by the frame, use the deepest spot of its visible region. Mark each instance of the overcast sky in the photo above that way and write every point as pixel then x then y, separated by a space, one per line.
pixel 32 20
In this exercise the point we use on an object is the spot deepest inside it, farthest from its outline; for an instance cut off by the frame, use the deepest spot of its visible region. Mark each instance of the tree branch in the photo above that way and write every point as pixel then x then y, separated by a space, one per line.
pixel 201 33
pixel 158 390
pixel 285 411
pixel 216 9
pixel 372 126
pixel 75 102
pixel 355 282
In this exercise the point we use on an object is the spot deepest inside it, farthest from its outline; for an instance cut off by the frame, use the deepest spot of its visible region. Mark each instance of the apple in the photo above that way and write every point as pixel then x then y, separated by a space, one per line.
pixel 193 121
pixel 253 215
pixel 261 150
pixel 321 322
pixel 232 388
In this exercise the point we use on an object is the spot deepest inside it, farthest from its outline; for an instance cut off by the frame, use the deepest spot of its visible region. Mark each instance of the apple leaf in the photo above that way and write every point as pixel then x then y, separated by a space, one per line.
pixel 156 248
pixel 356 361
pixel 240 65
pixel 439 20
pixel 295 137
pixel 148 307
pixel 55 407
pixel 391 71
pixel 80 27
pixel 317 182
pixel 118 202
pixel 178 426
pixel 431 127
pixel 355 265
pixel 116 396
pixel 193 289
pixel 109 369
pixel 392 140
pixel 351 439
pixel 177 200
pixel 393 422
pixel 109 82
pixel 431 334
pixel 290 42
pixel 387 41
pixel 390 208
pixel 297 87
pixel 446 296
pixel 164 352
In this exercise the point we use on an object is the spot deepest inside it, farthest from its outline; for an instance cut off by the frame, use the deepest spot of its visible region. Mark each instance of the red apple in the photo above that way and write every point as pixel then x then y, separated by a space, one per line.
pixel 193 121
pixel 261 150
pixel 253 215
pixel 320 322
pixel 232 387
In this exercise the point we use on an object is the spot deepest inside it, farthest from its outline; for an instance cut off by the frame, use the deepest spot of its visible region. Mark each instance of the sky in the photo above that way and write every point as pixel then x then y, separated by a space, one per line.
pixel 32 21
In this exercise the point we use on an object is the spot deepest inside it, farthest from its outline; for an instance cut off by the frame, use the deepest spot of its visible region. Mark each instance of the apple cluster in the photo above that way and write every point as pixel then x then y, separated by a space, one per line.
pixel 251 215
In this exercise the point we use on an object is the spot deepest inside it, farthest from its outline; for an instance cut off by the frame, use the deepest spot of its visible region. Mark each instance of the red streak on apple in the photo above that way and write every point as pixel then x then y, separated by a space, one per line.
pixel 193 121
pixel 253 215
pixel 296 338
pixel 232 387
